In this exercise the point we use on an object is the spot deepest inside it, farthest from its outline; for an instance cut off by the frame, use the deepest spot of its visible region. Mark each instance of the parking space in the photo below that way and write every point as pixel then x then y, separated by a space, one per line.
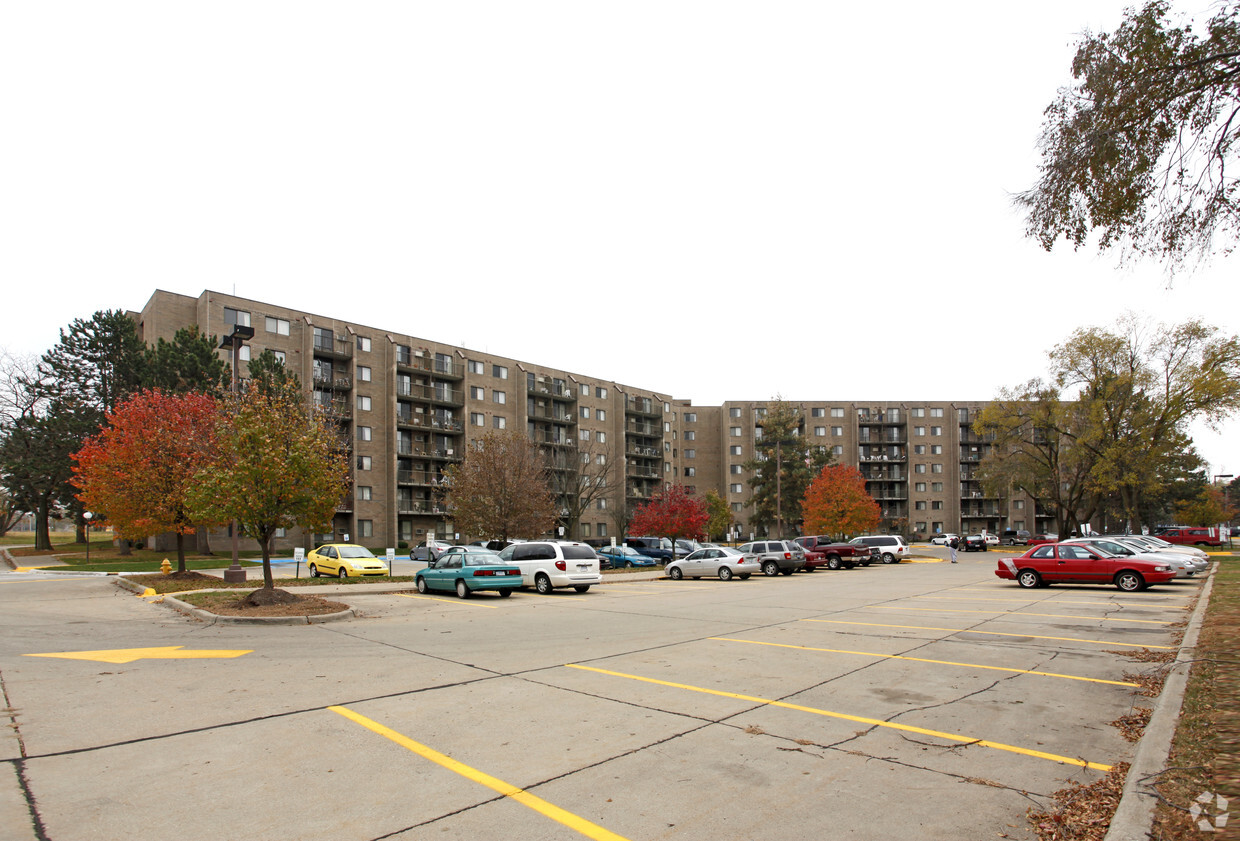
pixel 927 698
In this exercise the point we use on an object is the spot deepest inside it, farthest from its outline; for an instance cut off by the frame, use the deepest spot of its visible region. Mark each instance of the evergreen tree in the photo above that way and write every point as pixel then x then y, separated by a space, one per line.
pixel 783 466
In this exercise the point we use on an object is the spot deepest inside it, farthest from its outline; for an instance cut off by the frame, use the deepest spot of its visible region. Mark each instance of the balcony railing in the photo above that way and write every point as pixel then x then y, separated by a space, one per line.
pixel 341 346
pixel 412 360
pixel 417 506
pixel 645 452
pixel 642 406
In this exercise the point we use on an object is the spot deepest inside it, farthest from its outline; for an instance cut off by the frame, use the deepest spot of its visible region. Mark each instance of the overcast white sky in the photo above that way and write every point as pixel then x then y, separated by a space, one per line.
pixel 719 200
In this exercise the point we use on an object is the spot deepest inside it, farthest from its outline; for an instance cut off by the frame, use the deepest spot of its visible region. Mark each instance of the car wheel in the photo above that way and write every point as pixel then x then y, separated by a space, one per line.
pixel 849 565
pixel 581 588
pixel 542 583
pixel 833 562
pixel 1029 578
pixel 1129 581
pixel 725 574
pixel 422 588
pixel 770 568
pixel 314 571
pixel 342 572
pixel 503 594
pixel 462 589
pixel 744 576
pixel 787 571
pixel 865 563
pixel 675 574
pixel 889 558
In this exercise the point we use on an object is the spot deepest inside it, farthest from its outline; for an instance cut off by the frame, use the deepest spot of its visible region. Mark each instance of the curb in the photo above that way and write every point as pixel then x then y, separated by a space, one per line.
pixel 1134 816
pixel 216 618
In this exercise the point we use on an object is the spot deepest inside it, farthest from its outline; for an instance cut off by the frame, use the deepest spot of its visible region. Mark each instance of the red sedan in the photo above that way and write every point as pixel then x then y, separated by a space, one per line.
pixel 1053 563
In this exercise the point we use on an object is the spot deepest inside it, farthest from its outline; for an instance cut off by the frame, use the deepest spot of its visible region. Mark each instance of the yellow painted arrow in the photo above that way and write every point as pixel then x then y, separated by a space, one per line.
pixel 128 655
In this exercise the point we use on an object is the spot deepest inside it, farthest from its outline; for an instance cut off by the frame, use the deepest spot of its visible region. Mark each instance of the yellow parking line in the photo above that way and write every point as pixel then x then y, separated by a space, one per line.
pixel 925 660
pixel 1145 596
pixel 449 601
pixel 1045 601
pixel 568 819
pixel 992 633
pixel 907 728
pixel 1022 613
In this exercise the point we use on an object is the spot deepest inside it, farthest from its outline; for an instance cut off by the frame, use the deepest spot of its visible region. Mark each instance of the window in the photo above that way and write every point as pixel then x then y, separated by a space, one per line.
pixel 600 393
pixel 690 471
pixel 500 372
pixel 236 318
pixel 364 492
pixel 837 450
pixel 602 505
pixel 477 392
pixel 583 434
pixel 1018 504
pixel 936 413
pixel 919 449
pixel 602 528
pixel 363 433
pixel 735 432
pixel 690 453
pixel 820 431
pixel 667 427
pixel 279 355
pixel 279 326
pixel 937 487
pixel 585 458
pixel 477 419
pixel 243 353
pixel 363 403
pixel 837 431
pixel 735 468
pixel 601 414
pixel 918 413
pixel 600 459
pixel 473 366
pixel 363 344
pixel 837 413
pixel 601 437
pixel 734 412
pixel 937 505
pixel 736 488
pixel 936 430
pixel 937 527
pixel 936 468
pixel 936 449
pixel 363 462
pixel 363 373
pixel 690 435
pixel 585 529
pixel 919 468
pixel 667 407
pixel 818 413
pixel 919 430
pixel 365 528
pixel 738 507
pixel 690 417
pixel 920 505
pixel 585 412
pixel 736 450
pixel 499 422
pixel 499 396
pixel 920 487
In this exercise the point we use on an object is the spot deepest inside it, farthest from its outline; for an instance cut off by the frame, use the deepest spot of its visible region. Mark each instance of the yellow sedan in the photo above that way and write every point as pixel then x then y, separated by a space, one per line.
pixel 343 560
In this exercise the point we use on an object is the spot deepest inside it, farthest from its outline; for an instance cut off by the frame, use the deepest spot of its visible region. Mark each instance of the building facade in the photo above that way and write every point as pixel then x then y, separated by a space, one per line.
pixel 408 408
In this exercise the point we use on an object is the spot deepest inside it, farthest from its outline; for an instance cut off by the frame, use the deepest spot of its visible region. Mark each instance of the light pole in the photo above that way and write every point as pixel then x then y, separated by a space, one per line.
pixel 234 341
pixel 87 516
pixel 1217 477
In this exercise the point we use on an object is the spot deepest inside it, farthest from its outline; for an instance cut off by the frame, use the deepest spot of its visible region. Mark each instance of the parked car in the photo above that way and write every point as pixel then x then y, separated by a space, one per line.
pixel 1191 536
pixel 549 564
pixel 1016 537
pixel 625 557
pixel 1052 563
pixel 651 547
pixel 991 539
pixel 943 539
pixel 891 547
pixel 428 550
pixel 974 543
pixel 776 556
pixel 1182 566
pixel 467 572
pixel 722 562
pixel 1039 539
pixel 1155 544
pixel 343 560
pixel 834 555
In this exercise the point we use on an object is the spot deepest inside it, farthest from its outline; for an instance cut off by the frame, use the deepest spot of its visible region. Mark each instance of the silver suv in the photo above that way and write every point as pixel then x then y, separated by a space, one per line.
pixel 776 556
pixel 547 564
pixel 891 547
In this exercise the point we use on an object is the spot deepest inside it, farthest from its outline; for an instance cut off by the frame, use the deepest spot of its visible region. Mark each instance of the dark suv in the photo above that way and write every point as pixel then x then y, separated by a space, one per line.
pixel 651 547
pixel 776 556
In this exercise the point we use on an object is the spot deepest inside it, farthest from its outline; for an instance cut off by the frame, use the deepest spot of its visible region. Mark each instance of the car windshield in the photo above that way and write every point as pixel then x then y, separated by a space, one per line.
pixel 354 552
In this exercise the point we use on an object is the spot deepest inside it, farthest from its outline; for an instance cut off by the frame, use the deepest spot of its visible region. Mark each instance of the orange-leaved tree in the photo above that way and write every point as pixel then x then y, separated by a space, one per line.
pixel 837 503
pixel 138 470
pixel 278 465
pixel 671 513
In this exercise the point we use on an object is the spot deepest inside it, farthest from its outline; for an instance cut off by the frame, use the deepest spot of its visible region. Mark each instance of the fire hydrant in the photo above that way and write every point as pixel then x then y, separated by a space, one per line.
pixel 165 567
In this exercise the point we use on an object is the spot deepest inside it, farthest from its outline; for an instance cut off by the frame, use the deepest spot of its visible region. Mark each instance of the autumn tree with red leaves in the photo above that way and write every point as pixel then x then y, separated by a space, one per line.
pixel 673 514
pixel 138 470
pixel 837 503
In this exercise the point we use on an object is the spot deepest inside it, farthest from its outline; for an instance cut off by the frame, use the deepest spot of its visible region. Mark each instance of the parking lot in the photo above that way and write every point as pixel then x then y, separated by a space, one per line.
pixel 925 699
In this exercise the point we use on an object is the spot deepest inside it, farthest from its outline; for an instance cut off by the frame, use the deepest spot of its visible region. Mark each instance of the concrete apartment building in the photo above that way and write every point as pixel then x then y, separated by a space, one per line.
pixel 410 407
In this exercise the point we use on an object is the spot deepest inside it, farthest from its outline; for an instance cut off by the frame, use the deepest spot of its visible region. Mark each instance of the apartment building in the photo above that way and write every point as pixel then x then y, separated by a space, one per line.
pixel 408 408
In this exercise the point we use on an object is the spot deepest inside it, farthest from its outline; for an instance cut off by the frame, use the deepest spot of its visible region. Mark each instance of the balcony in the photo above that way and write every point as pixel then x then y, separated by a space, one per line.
pixel 555 389
pixel 643 452
pixel 643 428
pixel 340 409
pixel 545 436
pixel 552 413
pixel 416 421
pixel 638 472
pixel 643 406
pixel 413 360
pixel 448 369
pixel 418 506
pixel 340 347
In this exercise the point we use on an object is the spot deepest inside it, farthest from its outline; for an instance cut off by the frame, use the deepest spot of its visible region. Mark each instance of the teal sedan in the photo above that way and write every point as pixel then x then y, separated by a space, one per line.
pixel 625 557
pixel 467 572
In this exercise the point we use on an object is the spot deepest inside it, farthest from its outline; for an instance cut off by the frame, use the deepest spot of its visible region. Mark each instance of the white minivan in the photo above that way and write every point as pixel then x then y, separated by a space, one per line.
pixel 548 564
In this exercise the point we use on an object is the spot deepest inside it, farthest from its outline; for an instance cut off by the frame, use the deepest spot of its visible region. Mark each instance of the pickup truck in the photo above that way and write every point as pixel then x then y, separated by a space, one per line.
pixel 1190 536
pixel 835 555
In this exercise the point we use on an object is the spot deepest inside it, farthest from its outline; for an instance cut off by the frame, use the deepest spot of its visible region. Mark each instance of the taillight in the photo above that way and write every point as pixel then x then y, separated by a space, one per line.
pixel 787 556
pixel 561 566
pixel 485 572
